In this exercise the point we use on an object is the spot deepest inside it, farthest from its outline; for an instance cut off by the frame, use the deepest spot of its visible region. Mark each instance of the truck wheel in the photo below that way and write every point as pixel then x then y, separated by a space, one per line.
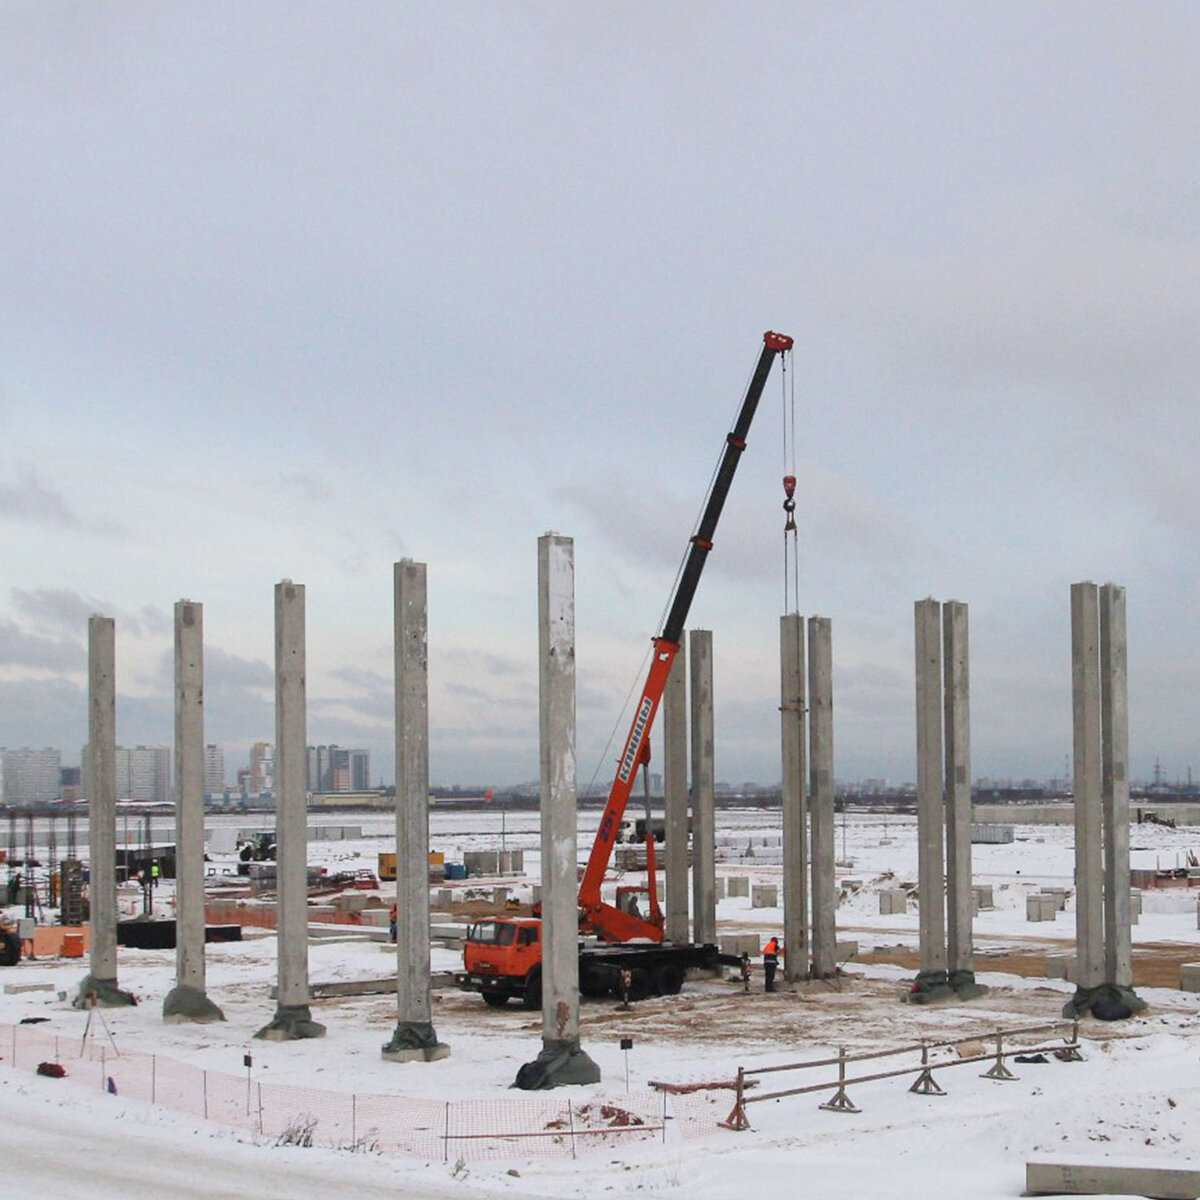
pixel 668 979
pixel 532 996
pixel 594 983
pixel 639 984
pixel 495 999
pixel 10 949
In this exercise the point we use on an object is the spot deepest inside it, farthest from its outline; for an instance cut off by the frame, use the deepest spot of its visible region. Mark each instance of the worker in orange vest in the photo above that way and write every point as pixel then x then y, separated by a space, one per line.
pixel 771 952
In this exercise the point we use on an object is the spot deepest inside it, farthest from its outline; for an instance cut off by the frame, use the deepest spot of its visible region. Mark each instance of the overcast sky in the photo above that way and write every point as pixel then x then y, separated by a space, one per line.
pixel 296 290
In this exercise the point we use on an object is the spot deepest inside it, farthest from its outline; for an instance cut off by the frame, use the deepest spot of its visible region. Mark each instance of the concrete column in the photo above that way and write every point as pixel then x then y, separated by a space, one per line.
pixel 187 1000
pixel 931 981
pixel 1089 908
pixel 561 1060
pixel 820 737
pixel 293 1018
pixel 414 1038
pixel 1114 704
pixel 99 986
pixel 795 799
pixel 704 808
pixel 675 797
pixel 960 944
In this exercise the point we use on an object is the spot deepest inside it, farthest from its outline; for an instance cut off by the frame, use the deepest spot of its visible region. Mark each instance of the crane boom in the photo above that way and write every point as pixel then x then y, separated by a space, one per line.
pixel 607 921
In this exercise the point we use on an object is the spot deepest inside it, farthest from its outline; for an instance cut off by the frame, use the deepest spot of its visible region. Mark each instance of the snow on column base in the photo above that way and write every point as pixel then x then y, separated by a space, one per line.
pixel 929 987
pixel 102 993
pixel 559 1064
pixel 415 1041
pixel 291 1022
pixel 1105 1002
pixel 964 985
pixel 186 1003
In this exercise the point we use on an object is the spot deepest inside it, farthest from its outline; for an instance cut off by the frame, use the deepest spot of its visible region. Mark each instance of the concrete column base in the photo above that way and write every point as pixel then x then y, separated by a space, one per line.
pixel 415 1041
pixel 964 985
pixel 929 987
pixel 291 1023
pixel 559 1064
pixel 102 993
pixel 1106 1002
pixel 184 1003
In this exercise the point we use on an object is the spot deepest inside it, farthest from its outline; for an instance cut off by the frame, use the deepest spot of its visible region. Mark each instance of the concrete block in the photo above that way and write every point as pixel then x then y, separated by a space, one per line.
pixel 1061 966
pixel 17 989
pixel 500 895
pixel 1068 1176
pixel 1040 907
pixel 1135 905
pixel 350 902
pixel 481 862
pixel 741 943
pixel 893 902
pixel 1189 977
pixel 845 950
pixel 739 885
pixel 984 896
pixel 764 895
pixel 719 888
pixel 1060 897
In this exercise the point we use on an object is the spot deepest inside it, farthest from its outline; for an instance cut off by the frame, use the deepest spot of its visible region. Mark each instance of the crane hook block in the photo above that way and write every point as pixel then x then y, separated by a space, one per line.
pixel 777 341
pixel 789 485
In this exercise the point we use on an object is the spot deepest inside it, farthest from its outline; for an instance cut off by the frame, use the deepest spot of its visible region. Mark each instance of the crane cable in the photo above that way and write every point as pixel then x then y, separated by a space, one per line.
pixel 791 549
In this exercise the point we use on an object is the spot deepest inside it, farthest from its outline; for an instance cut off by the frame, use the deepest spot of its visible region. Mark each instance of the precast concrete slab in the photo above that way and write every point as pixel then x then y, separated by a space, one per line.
pixel 1178 1180
pixel 1189 977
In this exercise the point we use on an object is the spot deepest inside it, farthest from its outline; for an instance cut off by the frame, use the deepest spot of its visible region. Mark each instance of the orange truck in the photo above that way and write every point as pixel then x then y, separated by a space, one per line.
pixel 621 951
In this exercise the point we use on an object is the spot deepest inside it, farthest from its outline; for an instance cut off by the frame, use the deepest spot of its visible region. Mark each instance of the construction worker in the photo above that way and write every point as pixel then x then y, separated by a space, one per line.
pixel 771 952
pixel 392 922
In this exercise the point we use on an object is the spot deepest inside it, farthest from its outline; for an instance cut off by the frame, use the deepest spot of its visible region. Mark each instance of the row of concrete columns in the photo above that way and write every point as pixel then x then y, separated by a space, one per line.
pixel 1099 692
pixel 943 803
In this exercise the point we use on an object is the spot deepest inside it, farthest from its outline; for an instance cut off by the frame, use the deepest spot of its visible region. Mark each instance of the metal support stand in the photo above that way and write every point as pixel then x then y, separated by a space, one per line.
pixel 998 1070
pixel 925 1084
pixel 840 1101
pixel 737 1119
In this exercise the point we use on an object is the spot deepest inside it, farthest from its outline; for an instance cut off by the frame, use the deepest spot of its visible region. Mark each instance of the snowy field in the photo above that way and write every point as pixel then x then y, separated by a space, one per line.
pixel 1136 1094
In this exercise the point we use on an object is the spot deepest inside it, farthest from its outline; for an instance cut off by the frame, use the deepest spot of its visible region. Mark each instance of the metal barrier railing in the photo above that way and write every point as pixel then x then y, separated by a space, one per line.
pixel 924 1084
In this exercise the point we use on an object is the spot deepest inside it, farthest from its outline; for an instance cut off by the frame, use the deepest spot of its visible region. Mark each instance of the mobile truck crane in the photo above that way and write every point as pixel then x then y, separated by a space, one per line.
pixel 620 951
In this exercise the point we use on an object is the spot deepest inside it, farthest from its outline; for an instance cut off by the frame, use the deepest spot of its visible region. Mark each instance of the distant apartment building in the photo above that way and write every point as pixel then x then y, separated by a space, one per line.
pixel 262 769
pixel 143 773
pixel 338 769
pixel 214 772
pixel 29 777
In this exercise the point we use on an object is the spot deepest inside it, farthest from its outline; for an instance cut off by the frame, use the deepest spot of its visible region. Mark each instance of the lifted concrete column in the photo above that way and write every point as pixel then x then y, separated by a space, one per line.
pixel 932 982
pixel 414 1038
pixel 820 734
pixel 704 808
pixel 187 1000
pixel 675 798
pixel 293 1018
pixel 99 986
pixel 795 799
pixel 561 1060
pixel 960 940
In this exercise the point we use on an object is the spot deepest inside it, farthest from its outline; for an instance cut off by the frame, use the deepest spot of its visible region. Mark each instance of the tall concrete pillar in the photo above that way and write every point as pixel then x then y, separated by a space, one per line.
pixel 1089 878
pixel 960 907
pixel 414 1037
pixel 188 1000
pixel 1099 677
pixel 562 1060
pixel 675 797
pixel 820 739
pixel 293 1017
pixel 932 980
pixel 704 808
pixel 1114 713
pixel 99 986
pixel 795 799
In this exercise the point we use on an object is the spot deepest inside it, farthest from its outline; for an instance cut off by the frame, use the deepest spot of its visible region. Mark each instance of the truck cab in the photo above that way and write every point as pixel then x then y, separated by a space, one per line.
pixel 503 958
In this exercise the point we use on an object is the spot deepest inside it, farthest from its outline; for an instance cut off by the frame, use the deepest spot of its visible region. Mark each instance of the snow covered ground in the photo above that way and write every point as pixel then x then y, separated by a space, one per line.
pixel 1137 1092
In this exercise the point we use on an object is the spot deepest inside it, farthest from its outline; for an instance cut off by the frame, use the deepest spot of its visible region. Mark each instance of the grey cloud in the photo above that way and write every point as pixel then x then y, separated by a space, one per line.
pixel 18 648
pixel 61 608
pixel 30 501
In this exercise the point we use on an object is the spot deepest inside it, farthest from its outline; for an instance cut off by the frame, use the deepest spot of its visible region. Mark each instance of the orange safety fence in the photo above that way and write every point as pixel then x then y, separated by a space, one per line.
pixel 541 1126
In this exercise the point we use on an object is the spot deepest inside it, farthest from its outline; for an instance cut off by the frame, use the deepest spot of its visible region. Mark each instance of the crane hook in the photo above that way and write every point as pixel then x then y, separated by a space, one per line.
pixel 789 503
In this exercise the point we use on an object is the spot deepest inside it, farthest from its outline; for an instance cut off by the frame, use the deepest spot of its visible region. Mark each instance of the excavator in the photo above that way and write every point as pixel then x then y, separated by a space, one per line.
pixel 621 951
